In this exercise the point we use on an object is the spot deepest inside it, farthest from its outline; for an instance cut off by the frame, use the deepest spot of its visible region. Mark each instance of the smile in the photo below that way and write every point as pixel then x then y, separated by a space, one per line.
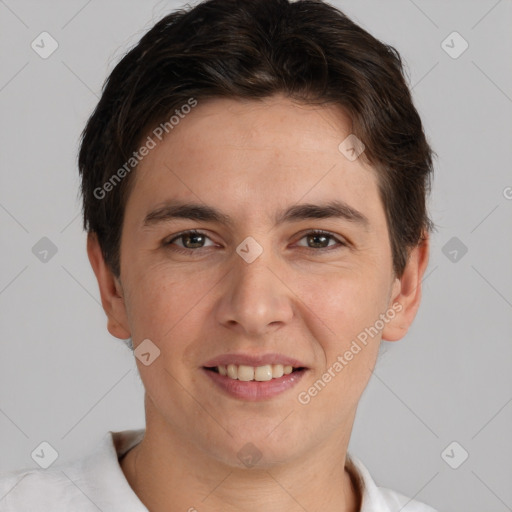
pixel 249 373
pixel 242 382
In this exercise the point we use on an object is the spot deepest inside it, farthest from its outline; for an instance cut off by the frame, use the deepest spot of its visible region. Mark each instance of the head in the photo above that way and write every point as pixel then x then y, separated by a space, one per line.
pixel 247 109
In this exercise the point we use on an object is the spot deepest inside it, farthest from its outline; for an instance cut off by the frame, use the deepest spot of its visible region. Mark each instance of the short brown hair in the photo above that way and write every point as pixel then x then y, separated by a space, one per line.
pixel 251 49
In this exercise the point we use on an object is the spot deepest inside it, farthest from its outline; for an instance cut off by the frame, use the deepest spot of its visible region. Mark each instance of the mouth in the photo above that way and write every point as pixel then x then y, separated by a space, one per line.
pixel 254 378
pixel 247 373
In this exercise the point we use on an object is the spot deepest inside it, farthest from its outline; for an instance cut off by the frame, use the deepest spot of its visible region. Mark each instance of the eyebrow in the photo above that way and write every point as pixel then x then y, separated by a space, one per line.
pixel 194 211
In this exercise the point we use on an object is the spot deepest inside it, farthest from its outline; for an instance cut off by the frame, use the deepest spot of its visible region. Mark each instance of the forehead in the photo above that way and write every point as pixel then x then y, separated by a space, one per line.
pixel 254 156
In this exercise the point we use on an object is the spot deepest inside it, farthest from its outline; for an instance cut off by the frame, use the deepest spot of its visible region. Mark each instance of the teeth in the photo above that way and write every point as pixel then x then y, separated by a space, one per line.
pixel 260 373
pixel 245 373
pixel 277 371
pixel 232 371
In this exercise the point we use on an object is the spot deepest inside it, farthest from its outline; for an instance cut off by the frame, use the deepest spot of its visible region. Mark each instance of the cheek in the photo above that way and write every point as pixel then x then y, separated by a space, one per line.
pixel 160 301
pixel 341 318
pixel 345 301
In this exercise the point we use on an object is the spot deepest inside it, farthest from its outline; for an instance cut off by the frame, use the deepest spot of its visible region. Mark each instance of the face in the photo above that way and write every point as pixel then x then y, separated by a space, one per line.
pixel 271 274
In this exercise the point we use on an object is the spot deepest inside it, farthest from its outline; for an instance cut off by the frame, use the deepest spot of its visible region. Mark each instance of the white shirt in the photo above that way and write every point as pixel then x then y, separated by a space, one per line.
pixel 97 483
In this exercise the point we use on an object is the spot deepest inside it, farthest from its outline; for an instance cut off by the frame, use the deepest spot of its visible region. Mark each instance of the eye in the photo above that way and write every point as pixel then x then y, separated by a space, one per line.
pixel 321 239
pixel 190 240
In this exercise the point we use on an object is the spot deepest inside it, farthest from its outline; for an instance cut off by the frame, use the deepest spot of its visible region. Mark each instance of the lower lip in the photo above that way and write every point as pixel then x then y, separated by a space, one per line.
pixel 254 390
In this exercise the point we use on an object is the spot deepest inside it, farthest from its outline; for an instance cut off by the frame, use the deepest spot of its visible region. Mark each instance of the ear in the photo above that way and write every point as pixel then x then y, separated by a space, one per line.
pixel 110 290
pixel 406 293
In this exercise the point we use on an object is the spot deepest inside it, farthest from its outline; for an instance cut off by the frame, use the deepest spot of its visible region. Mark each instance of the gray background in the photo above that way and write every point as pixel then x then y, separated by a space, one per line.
pixel 65 380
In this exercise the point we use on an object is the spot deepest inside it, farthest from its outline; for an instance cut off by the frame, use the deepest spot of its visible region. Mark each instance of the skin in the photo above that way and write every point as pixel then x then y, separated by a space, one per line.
pixel 251 159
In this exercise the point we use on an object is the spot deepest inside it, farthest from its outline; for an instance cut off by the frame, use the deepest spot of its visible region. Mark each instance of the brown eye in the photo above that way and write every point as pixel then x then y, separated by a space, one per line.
pixel 192 241
pixel 321 240
pixel 189 240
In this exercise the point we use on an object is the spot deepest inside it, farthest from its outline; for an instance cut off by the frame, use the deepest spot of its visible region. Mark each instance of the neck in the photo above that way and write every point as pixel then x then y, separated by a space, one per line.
pixel 168 473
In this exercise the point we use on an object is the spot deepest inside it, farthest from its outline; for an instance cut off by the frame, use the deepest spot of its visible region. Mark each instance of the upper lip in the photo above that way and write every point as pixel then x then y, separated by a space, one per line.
pixel 253 360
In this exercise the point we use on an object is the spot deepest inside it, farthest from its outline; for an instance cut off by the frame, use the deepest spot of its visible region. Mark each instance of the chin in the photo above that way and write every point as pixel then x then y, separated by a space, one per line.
pixel 254 451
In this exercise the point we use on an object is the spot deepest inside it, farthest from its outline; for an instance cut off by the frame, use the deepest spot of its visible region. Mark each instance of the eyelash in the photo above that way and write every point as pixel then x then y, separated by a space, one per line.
pixel 196 232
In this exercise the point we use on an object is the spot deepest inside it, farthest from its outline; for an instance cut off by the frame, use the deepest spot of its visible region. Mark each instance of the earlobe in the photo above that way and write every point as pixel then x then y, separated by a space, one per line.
pixel 111 292
pixel 407 292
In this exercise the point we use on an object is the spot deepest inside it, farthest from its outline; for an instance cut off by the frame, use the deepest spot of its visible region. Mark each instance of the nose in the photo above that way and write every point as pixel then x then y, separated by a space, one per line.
pixel 254 298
